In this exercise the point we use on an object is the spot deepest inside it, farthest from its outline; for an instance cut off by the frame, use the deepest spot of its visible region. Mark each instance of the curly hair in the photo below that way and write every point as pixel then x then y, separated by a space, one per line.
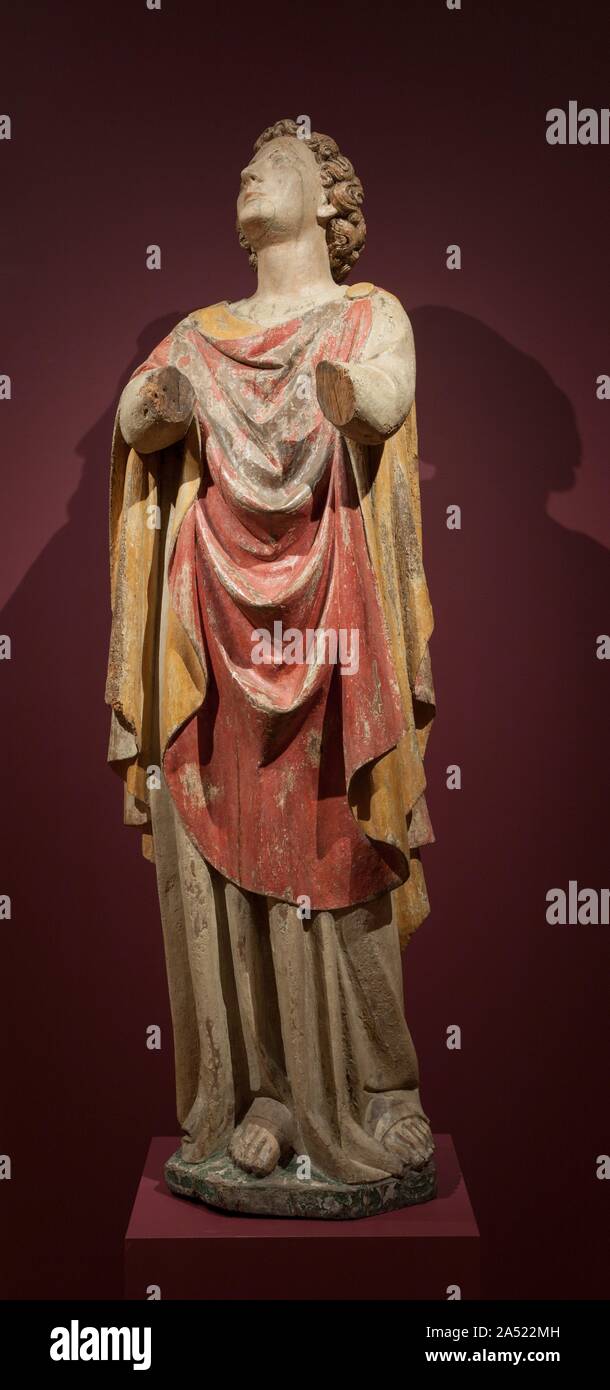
pixel 345 233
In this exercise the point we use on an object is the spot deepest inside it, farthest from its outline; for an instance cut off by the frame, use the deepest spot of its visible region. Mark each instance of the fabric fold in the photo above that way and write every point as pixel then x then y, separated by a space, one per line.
pixel 291 778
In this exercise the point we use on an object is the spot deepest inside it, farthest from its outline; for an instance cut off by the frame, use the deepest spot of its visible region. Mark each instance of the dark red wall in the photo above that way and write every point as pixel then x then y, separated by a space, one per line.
pixel 130 127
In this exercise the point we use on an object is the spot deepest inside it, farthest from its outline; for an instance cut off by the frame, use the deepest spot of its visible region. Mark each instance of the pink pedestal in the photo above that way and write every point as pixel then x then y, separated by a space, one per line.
pixel 191 1251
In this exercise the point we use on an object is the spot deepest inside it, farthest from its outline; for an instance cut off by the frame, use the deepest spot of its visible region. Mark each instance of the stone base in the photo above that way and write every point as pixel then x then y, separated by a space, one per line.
pixel 218 1183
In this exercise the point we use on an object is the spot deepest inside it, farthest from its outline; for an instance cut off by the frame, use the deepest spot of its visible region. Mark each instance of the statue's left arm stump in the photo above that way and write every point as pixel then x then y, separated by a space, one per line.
pixel 186 1250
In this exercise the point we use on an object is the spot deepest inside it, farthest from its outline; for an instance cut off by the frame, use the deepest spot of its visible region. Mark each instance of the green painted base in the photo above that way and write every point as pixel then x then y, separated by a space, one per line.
pixel 217 1182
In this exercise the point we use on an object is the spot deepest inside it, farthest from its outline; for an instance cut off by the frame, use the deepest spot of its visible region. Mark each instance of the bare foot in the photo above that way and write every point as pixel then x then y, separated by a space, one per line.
pixel 263 1137
pixel 254 1149
pixel 411 1140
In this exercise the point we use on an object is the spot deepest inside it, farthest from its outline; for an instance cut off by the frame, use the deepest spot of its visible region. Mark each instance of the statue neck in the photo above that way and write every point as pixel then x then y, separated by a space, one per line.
pixel 289 269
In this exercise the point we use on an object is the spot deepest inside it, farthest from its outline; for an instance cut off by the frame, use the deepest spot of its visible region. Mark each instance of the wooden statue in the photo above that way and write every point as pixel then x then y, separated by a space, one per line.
pixel 271 696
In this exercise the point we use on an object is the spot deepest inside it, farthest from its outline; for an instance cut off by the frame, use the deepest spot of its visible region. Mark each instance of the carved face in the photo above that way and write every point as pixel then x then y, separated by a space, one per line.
pixel 281 193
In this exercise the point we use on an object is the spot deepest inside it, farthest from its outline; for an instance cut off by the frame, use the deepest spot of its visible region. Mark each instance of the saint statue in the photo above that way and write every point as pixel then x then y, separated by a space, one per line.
pixel 271 696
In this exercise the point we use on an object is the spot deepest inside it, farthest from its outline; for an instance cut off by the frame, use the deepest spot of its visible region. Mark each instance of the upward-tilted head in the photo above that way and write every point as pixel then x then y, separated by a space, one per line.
pixel 293 184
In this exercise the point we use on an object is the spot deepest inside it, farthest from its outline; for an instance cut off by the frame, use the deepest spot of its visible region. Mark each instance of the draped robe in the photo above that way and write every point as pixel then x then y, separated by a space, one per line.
pixel 288 781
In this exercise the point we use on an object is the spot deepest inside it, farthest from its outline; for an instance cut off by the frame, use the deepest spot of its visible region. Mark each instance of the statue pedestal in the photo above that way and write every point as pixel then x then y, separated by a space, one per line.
pixel 218 1183
pixel 191 1251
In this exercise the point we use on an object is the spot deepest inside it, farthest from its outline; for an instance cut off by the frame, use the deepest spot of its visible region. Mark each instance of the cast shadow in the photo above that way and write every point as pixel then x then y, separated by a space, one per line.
pixel 85 958
pixel 518 600
pixel 519 603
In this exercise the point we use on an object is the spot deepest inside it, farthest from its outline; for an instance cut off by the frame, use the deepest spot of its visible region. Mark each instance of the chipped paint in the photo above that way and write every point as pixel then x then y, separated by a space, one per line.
pixel 294 529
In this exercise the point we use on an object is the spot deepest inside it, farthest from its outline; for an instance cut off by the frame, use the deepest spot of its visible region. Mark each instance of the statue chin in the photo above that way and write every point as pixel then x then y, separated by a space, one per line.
pixel 256 221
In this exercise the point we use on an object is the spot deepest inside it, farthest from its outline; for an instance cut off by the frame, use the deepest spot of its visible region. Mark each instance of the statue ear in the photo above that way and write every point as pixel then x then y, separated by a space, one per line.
pixel 324 212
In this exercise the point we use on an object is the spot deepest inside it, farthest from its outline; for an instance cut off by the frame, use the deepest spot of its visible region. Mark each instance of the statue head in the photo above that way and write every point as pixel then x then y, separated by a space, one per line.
pixel 291 184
